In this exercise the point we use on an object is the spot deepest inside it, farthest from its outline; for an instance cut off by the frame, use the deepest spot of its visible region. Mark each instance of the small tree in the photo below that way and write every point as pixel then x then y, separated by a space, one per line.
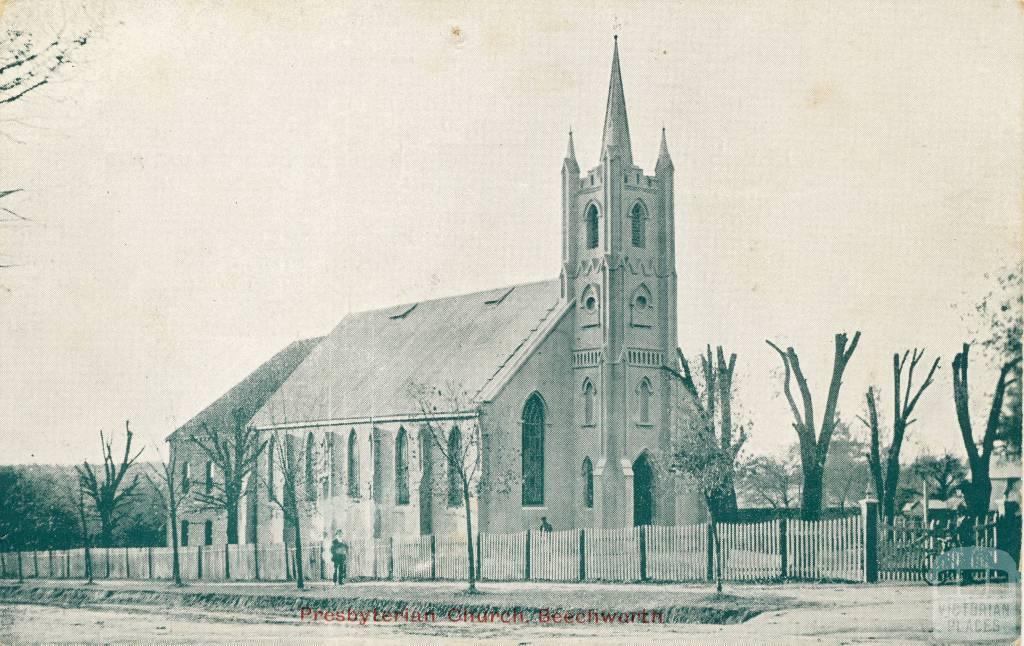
pixel 885 466
pixel 770 480
pixel 235 455
pixel 462 450
pixel 978 490
pixel 943 474
pixel 289 460
pixel 846 475
pixel 110 494
pixel 713 405
pixel 814 445
pixel 172 495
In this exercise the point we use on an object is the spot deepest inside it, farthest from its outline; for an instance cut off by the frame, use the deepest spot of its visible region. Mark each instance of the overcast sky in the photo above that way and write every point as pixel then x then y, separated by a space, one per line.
pixel 214 180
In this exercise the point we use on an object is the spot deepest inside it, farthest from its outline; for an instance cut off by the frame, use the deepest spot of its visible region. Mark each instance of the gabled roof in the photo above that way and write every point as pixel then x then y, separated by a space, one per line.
pixel 252 392
pixel 367 366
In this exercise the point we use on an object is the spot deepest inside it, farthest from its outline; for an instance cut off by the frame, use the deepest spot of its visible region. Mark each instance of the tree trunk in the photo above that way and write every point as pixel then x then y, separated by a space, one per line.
pixel 175 559
pixel 718 555
pixel 469 539
pixel 232 514
pixel 810 504
pixel 300 581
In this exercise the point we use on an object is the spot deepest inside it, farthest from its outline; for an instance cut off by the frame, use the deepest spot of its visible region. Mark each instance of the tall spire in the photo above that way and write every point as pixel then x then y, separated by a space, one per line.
pixel 570 156
pixel 664 159
pixel 616 125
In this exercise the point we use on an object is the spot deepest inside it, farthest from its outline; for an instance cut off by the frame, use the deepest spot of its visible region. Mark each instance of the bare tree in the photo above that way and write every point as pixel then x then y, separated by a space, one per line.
pixel 172 497
pixel 235 455
pixel 289 461
pixel 978 490
pixel 887 479
pixel 713 404
pixel 814 445
pixel 109 494
pixel 462 450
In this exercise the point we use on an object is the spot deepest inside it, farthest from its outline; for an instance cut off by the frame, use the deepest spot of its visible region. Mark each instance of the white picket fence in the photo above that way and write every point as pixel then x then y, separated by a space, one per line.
pixel 813 550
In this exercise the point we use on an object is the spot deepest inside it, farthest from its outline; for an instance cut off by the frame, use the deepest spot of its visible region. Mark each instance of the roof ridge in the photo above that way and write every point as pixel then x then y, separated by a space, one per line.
pixel 450 296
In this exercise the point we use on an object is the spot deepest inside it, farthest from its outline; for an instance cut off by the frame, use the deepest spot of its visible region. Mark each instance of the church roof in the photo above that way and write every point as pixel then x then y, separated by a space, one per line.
pixel 252 392
pixel 369 364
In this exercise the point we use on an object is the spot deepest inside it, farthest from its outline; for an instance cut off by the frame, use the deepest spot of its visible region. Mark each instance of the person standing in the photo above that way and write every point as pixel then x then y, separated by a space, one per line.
pixel 339 556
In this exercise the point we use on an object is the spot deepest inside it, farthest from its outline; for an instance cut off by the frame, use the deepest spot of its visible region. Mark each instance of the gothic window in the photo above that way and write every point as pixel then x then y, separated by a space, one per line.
pixel 209 477
pixel 377 488
pixel 639 217
pixel 353 464
pixel 310 468
pixel 588 402
pixel 271 445
pixel 208 533
pixel 186 478
pixel 336 462
pixel 326 478
pixel 402 468
pixel 533 451
pixel 454 464
pixel 593 226
pixel 644 392
pixel 183 538
pixel 588 483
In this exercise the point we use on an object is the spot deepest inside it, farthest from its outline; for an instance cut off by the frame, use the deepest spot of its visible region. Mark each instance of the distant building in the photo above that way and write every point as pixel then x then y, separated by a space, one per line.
pixel 566 380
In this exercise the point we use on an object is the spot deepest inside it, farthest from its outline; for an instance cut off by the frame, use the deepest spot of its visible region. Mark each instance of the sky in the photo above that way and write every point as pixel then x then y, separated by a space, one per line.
pixel 211 181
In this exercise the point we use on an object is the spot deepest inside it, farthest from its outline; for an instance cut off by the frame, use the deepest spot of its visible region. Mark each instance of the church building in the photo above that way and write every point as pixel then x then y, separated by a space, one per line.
pixel 563 387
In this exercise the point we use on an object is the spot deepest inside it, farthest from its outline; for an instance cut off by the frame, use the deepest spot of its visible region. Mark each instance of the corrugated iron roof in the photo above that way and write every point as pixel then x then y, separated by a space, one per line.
pixel 252 392
pixel 367 366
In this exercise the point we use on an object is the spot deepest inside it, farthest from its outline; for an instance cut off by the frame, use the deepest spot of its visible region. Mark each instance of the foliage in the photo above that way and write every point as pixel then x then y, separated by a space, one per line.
pixel 768 480
pixel 944 474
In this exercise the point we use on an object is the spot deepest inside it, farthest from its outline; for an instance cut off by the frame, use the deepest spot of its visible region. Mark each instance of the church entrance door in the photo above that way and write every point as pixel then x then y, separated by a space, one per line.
pixel 643 491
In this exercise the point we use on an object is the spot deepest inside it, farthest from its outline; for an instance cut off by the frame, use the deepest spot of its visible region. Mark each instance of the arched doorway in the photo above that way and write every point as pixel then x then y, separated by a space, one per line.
pixel 643 491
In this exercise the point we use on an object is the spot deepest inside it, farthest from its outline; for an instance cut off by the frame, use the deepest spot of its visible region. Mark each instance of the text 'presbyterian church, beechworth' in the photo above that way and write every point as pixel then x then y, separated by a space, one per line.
pixel 566 386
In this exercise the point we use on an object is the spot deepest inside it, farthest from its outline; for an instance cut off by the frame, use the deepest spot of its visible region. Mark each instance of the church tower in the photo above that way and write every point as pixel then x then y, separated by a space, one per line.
pixel 618 266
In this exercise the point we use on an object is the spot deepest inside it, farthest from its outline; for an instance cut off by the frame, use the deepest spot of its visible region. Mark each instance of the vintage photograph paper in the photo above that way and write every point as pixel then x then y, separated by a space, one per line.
pixel 525 322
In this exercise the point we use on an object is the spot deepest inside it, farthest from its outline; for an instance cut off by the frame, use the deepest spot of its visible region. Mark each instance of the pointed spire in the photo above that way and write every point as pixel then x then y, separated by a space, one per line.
pixel 664 159
pixel 570 152
pixel 616 125
pixel 570 165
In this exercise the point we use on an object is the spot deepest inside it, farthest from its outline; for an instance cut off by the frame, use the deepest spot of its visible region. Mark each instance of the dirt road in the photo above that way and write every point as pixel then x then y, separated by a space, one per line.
pixel 844 615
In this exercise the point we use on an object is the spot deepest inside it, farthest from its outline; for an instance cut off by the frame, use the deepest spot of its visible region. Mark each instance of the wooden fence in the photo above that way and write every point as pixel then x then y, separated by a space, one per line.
pixel 826 549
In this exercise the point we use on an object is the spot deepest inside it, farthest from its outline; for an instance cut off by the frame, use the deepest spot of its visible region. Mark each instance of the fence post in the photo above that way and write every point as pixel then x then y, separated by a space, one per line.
pixel 199 561
pixel 127 565
pixel 227 561
pixel 67 564
pixel 256 560
pixel 35 562
pixel 479 558
pixel 150 558
pixel 869 516
pixel 287 564
pixel 784 547
pixel 709 566
pixel 391 557
pixel 433 557
pixel 20 575
pixel 527 577
pixel 583 555
pixel 51 564
pixel 643 552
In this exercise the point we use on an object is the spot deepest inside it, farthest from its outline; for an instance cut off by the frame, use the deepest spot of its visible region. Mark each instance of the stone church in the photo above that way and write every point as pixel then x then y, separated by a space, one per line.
pixel 562 385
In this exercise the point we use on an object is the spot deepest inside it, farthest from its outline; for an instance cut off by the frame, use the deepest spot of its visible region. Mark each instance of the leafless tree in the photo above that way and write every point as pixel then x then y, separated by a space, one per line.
pixel 289 457
pixel 978 490
pixel 235 455
pixel 887 479
pixel 713 404
pixel 86 536
pixel 814 445
pixel 172 496
pixel 109 494
pixel 462 450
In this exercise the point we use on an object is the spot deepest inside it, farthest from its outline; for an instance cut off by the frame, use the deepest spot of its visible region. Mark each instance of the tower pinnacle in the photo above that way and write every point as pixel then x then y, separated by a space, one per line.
pixel 616 124
pixel 664 159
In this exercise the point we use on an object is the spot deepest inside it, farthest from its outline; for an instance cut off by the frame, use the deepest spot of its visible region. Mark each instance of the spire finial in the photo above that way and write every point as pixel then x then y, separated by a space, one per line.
pixel 616 124
pixel 570 151
pixel 664 159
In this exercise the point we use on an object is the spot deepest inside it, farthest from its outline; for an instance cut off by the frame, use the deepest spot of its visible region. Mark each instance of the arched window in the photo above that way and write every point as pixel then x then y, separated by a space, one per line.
pixel 533 451
pixel 310 468
pixel 588 402
pixel 336 462
pixel 271 447
pixel 593 227
pixel 208 532
pixel 327 478
pixel 454 460
pixel 209 477
pixel 402 468
pixel 353 464
pixel 644 401
pixel 588 483
pixel 186 478
pixel 639 217
pixel 183 538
